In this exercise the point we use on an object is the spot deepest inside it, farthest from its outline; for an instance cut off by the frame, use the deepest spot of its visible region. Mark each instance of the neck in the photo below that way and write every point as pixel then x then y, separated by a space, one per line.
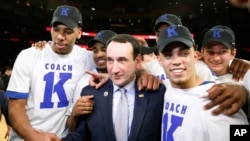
pixel 190 83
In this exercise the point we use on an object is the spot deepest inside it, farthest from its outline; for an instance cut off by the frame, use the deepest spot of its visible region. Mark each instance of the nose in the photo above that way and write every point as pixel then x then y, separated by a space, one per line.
pixel 176 60
pixel 115 67
pixel 60 36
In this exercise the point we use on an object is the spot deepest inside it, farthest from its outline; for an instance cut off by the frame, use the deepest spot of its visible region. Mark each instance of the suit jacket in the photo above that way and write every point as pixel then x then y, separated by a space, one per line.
pixel 98 126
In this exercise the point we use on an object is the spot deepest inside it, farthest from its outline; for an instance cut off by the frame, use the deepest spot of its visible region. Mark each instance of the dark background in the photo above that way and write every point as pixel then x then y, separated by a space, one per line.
pixel 23 22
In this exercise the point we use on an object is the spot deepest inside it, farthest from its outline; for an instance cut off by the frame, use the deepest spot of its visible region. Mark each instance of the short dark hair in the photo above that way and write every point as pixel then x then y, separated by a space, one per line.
pixel 123 38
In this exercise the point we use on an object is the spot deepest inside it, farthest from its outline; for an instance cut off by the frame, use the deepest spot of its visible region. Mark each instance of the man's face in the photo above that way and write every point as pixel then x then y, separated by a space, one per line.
pixel 64 38
pixel 157 32
pixel 217 57
pixel 121 64
pixel 178 62
pixel 99 55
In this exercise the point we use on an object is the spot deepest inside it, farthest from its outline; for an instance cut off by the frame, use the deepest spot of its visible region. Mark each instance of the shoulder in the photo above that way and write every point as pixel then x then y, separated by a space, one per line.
pixel 82 53
pixel 159 92
pixel 89 90
pixel 29 53
pixel 79 50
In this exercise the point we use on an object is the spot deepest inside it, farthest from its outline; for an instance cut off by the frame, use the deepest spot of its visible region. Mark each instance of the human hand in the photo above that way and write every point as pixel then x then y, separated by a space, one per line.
pixel 142 42
pixel 230 97
pixel 98 79
pixel 39 45
pixel 42 136
pixel 238 68
pixel 84 105
pixel 148 82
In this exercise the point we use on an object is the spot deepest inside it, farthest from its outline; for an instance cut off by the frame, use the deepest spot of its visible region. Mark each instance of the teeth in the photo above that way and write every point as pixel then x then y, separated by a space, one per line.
pixel 177 70
pixel 101 61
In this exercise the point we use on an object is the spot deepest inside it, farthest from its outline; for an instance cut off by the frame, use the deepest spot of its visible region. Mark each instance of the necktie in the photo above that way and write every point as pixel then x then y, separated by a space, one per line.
pixel 121 117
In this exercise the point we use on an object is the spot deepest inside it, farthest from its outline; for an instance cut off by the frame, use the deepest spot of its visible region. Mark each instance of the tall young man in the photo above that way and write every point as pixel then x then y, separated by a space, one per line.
pixel 43 81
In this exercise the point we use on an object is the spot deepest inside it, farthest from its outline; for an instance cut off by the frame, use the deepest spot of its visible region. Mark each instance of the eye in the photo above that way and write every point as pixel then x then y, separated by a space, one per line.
pixel 167 54
pixel 69 31
pixel 109 60
pixel 185 53
pixel 94 50
pixel 210 52
pixel 55 29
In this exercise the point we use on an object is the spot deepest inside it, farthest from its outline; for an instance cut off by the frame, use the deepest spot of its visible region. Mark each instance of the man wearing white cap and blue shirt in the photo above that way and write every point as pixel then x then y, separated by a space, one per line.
pixel 43 81
pixel 184 118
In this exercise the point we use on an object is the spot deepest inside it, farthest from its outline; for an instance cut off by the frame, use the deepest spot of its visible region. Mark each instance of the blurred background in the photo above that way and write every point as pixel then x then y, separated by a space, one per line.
pixel 23 22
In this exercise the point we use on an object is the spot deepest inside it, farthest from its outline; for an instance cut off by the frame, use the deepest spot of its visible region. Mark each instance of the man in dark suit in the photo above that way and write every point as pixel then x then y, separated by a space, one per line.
pixel 144 107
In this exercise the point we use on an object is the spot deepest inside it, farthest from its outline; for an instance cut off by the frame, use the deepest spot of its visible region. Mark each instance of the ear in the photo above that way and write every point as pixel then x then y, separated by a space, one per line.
pixel 138 61
pixel 196 55
pixel 234 51
pixel 202 49
pixel 79 33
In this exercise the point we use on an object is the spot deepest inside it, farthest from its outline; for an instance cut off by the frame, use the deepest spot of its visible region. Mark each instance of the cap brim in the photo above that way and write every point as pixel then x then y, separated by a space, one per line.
pixel 65 21
pixel 93 41
pixel 148 50
pixel 165 42
pixel 158 24
pixel 226 44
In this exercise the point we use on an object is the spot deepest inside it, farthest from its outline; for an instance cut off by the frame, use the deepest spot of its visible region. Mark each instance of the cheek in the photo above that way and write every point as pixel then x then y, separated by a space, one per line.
pixel 165 64
pixel 109 67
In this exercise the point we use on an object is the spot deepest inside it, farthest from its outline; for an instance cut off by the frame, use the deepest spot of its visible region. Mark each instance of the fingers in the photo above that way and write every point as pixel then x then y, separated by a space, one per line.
pixel 148 82
pixel 101 83
pixel 216 101
pixel 39 45
pixel 238 68
pixel 229 97
pixel 93 80
pixel 232 110
pixel 84 105
pixel 141 83
pixel 215 91
pixel 93 74
pixel 215 94
pixel 142 42
pixel 225 105
pixel 156 83
pixel 98 79
pixel 53 137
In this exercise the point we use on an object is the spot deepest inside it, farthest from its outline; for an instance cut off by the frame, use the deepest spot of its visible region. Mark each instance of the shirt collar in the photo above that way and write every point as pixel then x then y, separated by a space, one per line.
pixel 129 87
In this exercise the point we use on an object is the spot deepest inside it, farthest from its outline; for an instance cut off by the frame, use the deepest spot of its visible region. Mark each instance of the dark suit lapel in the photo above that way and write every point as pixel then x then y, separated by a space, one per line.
pixel 109 124
pixel 141 101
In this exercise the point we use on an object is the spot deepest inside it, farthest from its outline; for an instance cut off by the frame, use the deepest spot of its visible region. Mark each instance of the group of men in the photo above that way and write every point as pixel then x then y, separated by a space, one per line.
pixel 50 100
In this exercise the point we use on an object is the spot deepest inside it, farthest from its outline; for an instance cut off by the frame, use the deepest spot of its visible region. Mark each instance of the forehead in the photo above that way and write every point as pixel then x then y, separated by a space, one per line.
pixel 98 45
pixel 162 27
pixel 176 45
pixel 215 45
pixel 59 25
pixel 118 49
